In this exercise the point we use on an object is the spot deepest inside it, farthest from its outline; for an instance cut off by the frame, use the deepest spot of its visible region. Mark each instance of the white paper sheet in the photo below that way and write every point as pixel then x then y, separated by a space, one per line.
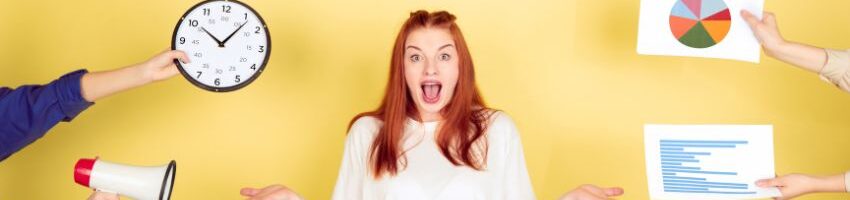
pixel 708 161
pixel 656 38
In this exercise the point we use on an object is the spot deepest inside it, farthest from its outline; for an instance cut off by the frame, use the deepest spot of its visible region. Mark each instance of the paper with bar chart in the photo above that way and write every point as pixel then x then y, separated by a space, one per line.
pixel 698 28
pixel 708 161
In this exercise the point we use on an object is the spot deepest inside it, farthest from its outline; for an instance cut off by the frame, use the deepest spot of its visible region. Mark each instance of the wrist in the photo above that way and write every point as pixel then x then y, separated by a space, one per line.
pixel 830 184
pixel 140 74
pixel 775 48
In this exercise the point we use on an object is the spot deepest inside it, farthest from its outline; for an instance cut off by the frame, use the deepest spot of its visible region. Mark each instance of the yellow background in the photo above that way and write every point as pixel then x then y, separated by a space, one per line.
pixel 565 70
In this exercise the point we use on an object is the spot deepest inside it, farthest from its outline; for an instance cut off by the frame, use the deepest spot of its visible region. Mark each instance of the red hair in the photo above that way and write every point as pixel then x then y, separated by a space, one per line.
pixel 464 117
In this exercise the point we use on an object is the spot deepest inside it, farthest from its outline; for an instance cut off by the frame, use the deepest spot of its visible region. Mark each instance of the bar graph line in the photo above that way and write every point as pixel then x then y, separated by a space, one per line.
pixel 699 172
pixel 706 186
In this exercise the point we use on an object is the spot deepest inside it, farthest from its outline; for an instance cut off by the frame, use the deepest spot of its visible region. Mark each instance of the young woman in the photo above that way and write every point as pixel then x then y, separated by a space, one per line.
pixel 432 137
pixel 831 65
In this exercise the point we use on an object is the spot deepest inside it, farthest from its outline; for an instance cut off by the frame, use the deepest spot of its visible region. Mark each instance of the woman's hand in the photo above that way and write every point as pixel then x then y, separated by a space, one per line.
pixel 794 185
pixel 272 192
pixel 162 66
pixel 767 32
pixel 103 196
pixel 592 192
pixel 97 85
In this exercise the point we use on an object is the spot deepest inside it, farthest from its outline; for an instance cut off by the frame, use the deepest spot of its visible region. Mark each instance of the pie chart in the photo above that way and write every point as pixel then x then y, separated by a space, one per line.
pixel 700 23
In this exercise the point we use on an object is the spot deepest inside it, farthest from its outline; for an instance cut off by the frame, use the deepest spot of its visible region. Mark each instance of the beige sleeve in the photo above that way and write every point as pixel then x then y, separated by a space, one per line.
pixel 837 68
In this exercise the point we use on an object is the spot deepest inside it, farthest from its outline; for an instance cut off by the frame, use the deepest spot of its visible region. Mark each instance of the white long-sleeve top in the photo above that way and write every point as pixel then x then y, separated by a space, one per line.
pixel 428 174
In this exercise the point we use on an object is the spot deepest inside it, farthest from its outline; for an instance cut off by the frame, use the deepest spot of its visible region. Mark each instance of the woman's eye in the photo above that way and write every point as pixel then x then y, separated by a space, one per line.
pixel 415 58
pixel 445 57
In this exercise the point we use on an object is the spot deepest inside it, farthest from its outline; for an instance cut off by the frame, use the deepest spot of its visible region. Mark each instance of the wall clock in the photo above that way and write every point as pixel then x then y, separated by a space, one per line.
pixel 227 42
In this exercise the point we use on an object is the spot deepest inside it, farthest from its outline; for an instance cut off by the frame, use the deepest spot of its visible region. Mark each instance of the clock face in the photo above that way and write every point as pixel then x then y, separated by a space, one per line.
pixel 227 43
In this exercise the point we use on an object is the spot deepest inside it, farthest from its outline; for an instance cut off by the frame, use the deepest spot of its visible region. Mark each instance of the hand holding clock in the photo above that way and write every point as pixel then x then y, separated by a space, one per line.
pixel 96 85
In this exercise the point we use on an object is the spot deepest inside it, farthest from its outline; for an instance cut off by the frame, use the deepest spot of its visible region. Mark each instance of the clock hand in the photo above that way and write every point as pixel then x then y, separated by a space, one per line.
pixel 220 44
pixel 234 33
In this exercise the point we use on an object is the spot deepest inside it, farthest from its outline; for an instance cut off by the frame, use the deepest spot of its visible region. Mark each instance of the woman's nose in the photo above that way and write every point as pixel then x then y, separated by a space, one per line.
pixel 430 67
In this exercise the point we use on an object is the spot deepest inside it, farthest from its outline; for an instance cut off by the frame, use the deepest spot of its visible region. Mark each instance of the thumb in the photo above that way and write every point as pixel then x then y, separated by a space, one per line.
pixel 749 18
pixel 249 192
pixel 769 183
pixel 180 55
pixel 614 191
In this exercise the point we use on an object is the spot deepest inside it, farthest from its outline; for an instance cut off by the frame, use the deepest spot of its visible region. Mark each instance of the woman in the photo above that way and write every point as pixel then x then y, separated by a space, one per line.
pixel 831 65
pixel 432 137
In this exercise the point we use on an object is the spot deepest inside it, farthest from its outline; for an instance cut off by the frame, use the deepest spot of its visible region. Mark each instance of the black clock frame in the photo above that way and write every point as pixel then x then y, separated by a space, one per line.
pixel 237 86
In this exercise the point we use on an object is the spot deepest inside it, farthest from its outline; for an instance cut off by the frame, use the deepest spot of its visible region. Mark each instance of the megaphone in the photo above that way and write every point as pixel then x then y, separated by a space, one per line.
pixel 137 182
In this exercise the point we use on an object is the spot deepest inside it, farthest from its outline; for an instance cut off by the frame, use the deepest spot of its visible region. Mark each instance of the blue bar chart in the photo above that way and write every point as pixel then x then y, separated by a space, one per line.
pixel 682 172
pixel 707 162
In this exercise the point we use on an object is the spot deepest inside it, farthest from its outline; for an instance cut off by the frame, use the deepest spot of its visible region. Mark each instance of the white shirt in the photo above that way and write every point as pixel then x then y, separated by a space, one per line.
pixel 428 174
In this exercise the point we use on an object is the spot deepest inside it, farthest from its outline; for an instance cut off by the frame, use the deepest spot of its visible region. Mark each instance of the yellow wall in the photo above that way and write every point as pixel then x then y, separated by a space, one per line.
pixel 565 70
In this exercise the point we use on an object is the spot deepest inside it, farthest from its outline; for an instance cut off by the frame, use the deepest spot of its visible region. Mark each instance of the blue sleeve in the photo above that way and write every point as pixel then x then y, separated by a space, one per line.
pixel 28 112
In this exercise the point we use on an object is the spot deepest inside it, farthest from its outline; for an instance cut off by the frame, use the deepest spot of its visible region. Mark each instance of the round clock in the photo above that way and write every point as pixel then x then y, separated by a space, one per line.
pixel 227 42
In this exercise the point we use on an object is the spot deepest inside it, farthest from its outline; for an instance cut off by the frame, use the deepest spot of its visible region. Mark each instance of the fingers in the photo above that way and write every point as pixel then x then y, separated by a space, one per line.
pixel 769 18
pixel 592 189
pixel 770 183
pixel 749 18
pixel 270 190
pixel 103 196
pixel 180 55
pixel 249 192
pixel 614 191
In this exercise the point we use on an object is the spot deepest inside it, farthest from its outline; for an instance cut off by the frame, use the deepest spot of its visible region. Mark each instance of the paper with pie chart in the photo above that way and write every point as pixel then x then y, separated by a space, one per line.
pixel 698 28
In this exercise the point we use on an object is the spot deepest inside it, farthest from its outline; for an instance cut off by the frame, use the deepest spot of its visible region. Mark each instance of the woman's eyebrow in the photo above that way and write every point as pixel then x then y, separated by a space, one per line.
pixel 414 47
pixel 444 46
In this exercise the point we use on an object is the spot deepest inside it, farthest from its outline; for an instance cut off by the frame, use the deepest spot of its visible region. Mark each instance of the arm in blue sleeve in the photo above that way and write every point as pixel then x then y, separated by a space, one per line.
pixel 28 112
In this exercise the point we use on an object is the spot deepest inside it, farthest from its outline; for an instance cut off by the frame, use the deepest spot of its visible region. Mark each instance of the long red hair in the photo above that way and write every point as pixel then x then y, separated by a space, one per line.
pixel 464 117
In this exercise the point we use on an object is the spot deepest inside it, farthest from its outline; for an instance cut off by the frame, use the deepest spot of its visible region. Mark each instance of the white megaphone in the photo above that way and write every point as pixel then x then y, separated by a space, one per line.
pixel 137 182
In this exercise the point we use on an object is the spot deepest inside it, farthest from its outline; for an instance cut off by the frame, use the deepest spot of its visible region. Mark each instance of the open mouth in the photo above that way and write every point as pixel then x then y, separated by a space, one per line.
pixel 431 91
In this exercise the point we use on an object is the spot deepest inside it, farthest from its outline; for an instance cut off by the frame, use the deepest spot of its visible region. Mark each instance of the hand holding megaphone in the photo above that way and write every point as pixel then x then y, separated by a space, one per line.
pixel 103 196
pixel 137 182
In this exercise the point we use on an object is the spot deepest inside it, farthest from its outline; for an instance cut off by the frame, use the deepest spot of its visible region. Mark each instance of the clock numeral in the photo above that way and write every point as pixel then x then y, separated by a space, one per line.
pixel 254 67
pixel 206 11
pixel 232 68
pixel 262 49
pixel 217 81
pixel 225 8
pixel 199 55
pixel 182 40
pixel 258 30
pixel 205 66
pixel 247 34
pixel 193 23
pixel 246 16
pixel 211 21
pixel 243 59
pixel 225 18
pixel 199 74
pixel 237 79
pixel 250 48
pixel 196 41
pixel 219 71
pixel 237 24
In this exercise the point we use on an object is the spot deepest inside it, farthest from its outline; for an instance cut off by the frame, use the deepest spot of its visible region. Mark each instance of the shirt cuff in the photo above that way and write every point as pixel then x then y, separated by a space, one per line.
pixel 837 65
pixel 847 181
pixel 69 93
